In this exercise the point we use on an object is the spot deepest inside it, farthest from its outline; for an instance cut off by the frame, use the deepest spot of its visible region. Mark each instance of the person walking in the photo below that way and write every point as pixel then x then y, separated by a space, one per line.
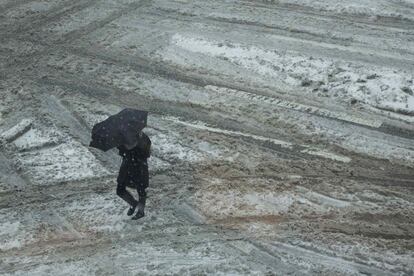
pixel 134 173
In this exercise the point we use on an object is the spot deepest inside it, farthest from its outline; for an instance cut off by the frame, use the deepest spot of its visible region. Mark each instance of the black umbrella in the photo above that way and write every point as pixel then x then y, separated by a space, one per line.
pixel 118 129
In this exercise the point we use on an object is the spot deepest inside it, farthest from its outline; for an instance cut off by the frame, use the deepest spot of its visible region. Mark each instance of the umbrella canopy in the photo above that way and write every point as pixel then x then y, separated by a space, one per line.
pixel 118 129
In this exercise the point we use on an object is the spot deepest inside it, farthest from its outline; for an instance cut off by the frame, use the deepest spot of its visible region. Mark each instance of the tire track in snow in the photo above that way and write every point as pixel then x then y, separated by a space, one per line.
pixel 94 86
pixel 99 23
pixel 306 149
pixel 367 122
pixel 291 34
pixel 163 108
pixel 282 250
pixel 249 96
pixel 13 4
pixel 145 65
pixel 360 51
pixel 392 23
pixel 33 25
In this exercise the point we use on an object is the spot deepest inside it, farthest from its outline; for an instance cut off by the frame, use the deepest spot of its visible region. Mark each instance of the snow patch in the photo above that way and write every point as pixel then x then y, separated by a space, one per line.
pixel 8 232
pixel 202 126
pixel 231 203
pixel 97 213
pixel 34 138
pixel 355 7
pixel 376 86
pixel 156 163
pixel 168 147
pixel 326 154
pixel 311 151
pixel 17 130
pixel 64 162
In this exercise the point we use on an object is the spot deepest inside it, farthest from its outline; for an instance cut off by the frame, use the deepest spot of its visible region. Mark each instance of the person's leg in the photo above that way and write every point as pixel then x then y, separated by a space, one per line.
pixel 141 186
pixel 141 204
pixel 123 193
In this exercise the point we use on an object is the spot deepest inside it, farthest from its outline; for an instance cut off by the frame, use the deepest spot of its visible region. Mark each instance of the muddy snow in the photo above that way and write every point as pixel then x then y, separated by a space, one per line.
pixel 282 132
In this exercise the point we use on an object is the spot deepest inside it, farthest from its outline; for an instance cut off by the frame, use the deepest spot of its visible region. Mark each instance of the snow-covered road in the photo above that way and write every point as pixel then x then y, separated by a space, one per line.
pixel 283 136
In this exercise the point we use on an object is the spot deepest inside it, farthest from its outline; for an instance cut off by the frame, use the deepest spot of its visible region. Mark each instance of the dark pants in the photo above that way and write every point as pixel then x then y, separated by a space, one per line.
pixel 134 175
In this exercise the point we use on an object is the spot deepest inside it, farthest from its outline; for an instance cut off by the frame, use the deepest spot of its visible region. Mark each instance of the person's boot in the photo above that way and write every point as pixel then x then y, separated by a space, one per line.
pixel 131 209
pixel 141 207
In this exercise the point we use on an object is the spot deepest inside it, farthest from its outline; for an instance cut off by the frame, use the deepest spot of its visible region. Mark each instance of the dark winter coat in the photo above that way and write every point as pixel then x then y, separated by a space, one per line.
pixel 134 167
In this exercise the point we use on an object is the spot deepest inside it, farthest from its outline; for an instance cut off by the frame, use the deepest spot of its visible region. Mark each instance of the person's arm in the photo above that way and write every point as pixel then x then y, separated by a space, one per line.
pixel 147 147
pixel 121 151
